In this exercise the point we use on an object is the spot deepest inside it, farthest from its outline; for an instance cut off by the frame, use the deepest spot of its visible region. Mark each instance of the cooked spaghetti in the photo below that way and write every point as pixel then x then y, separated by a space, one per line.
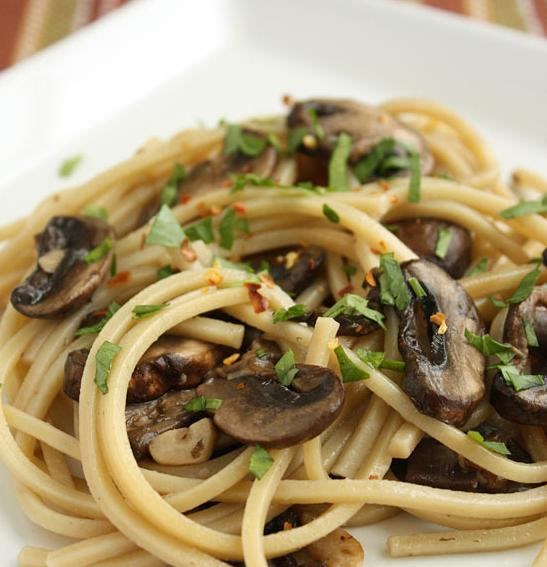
pixel 241 340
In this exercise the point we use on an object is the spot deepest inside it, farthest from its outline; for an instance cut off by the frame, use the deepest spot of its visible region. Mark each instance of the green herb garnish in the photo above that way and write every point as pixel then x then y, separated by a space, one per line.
pixel 519 381
pixel 417 288
pixel 98 327
pixel 415 176
pixel 168 195
pixel 201 230
pixel 372 161
pixel 525 208
pixel 164 272
pixel 317 128
pixel 292 312
pixel 260 462
pixel 526 285
pixel 378 360
pixel 393 290
pixel 69 165
pixel 499 303
pixel 488 346
pixel 96 213
pixel 166 230
pixel 338 171
pixel 494 446
pixel 444 236
pixel 349 269
pixel 295 137
pixel 201 403
pixel 143 311
pixel 229 225
pixel 531 337
pixel 99 251
pixel 348 370
pixel 478 268
pixel 219 262
pixel 285 368
pixel 330 213
pixel 104 358
pixel 242 179
pixel 237 140
pixel 351 305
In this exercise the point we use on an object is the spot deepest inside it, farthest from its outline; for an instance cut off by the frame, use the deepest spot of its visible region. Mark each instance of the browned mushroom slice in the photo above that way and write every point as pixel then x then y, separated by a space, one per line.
pixel 146 421
pixel 171 363
pixel 367 125
pixel 258 409
pixel 74 254
pixel 527 405
pixel 292 269
pixel 444 374
pixel 421 235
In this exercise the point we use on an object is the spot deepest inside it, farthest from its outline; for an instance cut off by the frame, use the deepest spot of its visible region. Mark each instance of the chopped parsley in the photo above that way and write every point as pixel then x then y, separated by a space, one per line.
pixel 260 462
pixel 273 140
pixel 338 171
pixel 229 225
pixel 166 230
pixel 295 137
pixel 98 327
pixel 478 268
pixel 317 128
pixel 96 213
pixel 285 368
pixel 378 360
pixel 531 337
pixel 519 381
pixel 201 230
pixel 237 140
pixel 488 346
pixel 349 269
pixel 242 179
pixel 494 446
pixel 526 285
pixel 352 305
pixel 219 262
pixel 373 160
pixel 104 358
pixel 69 165
pixel 99 251
pixel 168 195
pixel 143 311
pixel 201 403
pixel 261 353
pixel 414 188
pixel 348 370
pixel 393 290
pixel 292 312
pixel 525 208
pixel 416 287
pixel 444 237
pixel 499 303
pixel 330 213
pixel 164 272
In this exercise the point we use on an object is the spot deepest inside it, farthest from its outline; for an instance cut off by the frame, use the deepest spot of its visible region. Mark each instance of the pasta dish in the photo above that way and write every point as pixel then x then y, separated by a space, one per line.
pixel 243 341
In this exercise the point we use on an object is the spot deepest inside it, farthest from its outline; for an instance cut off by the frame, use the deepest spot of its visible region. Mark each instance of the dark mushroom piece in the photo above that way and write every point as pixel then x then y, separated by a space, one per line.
pixel 367 125
pixel 421 235
pixel 292 269
pixel 171 363
pixel 145 421
pixel 444 375
pixel 63 280
pixel 528 406
pixel 258 409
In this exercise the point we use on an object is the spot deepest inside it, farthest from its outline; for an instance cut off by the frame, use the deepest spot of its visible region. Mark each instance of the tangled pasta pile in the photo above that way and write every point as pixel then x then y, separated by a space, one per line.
pixel 242 340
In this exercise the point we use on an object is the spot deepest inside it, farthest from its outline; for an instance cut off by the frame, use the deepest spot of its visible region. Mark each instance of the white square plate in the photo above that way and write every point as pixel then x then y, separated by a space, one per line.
pixel 154 68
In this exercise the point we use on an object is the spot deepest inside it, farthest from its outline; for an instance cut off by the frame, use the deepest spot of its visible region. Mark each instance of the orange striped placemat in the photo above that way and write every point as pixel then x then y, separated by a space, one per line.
pixel 26 26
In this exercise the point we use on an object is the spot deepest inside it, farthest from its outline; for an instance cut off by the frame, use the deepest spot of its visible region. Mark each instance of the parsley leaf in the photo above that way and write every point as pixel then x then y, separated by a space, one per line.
pixel 499 303
pixel 164 272
pixel 242 179
pixel 219 262
pixel 352 305
pixel 393 290
pixel 229 224
pixel 525 208
pixel 478 268
pixel 338 174
pixel 201 230
pixel 103 359
pixel 168 195
pixel 415 176
pixel 201 403
pixel 349 269
pixel 295 137
pixel 98 327
pixel 166 230
pixel 444 236
pixel 292 312
pixel 494 446
pixel 99 251
pixel 519 381
pixel 96 213
pixel 69 165
pixel 143 311
pixel 531 337
pixel 260 462
pixel 525 286
pixel 330 213
pixel 488 346
pixel 370 163
pixel 238 140
pixel 378 360
pixel 317 128
pixel 348 370
pixel 285 368
pixel 417 288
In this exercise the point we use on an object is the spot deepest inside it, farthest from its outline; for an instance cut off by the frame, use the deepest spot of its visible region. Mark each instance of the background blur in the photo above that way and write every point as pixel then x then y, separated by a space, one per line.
pixel 27 26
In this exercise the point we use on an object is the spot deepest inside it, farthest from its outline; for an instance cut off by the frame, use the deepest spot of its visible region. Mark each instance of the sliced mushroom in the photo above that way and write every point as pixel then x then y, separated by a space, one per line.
pixel 527 406
pixel 292 269
pixel 171 363
pixel 421 235
pixel 444 374
pixel 146 421
pixel 258 409
pixel 185 446
pixel 367 125
pixel 63 280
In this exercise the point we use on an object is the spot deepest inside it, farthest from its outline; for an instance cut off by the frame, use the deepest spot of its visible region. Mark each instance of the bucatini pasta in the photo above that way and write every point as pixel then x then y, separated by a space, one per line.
pixel 241 340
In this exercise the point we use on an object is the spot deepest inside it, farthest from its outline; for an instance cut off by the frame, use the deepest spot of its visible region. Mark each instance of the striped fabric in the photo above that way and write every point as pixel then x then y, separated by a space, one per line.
pixel 26 26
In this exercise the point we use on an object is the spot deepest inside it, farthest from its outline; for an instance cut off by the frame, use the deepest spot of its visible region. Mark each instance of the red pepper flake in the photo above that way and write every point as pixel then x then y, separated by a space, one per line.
pixel 99 313
pixel 185 199
pixel 203 210
pixel 383 184
pixel 119 278
pixel 449 539
pixel 258 302
pixel 373 477
pixel 287 100
pixel 344 290
pixel 215 210
pixel 393 199
pixel 312 264
pixel 240 386
pixel 187 252
pixel 240 209
pixel 287 526
pixel 439 319
pixel 369 278
pixel 229 360
pixel 228 183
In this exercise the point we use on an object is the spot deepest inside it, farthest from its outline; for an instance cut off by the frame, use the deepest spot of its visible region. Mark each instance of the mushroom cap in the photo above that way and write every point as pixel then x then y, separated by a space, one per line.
pixel 259 410
pixel 444 375
pixel 366 124
pixel 421 234
pixel 529 406
pixel 72 281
